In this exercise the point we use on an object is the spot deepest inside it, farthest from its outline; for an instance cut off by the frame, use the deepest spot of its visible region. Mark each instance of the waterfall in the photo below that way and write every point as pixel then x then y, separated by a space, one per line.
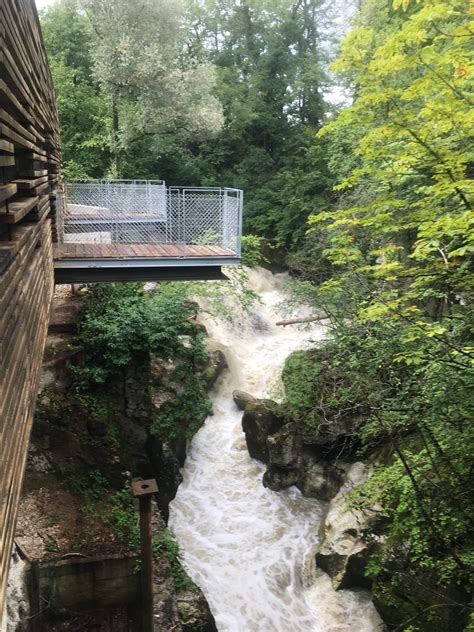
pixel 252 550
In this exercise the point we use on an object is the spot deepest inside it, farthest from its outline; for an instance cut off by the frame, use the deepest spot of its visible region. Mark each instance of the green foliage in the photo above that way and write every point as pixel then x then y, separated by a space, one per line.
pixel 168 545
pixel 91 484
pixel 122 323
pixel 123 518
pixel 224 299
pixel 393 272
pixel 252 255
pixel 301 377
pixel 122 326
pixel 124 521
pixel 210 94
pixel 123 89
pixel 421 412
pixel 52 546
pixel 184 416
pixel 412 237
pixel 52 407
pixel 83 110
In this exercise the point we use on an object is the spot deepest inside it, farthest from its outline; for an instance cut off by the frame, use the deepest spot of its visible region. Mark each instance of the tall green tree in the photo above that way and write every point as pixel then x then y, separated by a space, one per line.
pixel 83 110
pixel 414 237
pixel 154 86
pixel 395 260
pixel 126 84
pixel 270 80
pixel 142 88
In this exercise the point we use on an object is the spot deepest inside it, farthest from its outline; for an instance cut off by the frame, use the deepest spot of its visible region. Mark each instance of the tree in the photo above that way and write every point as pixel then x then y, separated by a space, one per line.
pixel 270 67
pixel 414 115
pixel 400 239
pixel 154 87
pixel 83 111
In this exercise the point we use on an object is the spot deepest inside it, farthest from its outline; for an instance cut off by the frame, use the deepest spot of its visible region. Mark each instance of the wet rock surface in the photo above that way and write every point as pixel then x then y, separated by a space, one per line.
pixel 194 612
pixel 277 442
pixel 261 420
pixel 217 362
pixel 73 441
pixel 319 479
pixel 343 552
pixel 241 399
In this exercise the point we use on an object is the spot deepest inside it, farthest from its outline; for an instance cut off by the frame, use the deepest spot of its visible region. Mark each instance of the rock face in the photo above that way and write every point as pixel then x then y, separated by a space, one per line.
pixel 331 436
pixel 194 612
pixel 278 443
pixel 284 447
pixel 343 553
pixel 319 479
pixel 158 390
pixel 216 364
pixel 122 444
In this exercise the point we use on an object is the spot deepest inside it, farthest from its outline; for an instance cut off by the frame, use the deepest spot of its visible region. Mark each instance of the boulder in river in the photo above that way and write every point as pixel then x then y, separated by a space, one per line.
pixel 241 399
pixel 217 362
pixel 260 420
pixel 276 478
pixel 319 479
pixel 284 447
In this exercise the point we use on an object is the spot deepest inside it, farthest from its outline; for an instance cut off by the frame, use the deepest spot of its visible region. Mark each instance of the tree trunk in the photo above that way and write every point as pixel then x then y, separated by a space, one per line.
pixel 115 135
pixel 306 319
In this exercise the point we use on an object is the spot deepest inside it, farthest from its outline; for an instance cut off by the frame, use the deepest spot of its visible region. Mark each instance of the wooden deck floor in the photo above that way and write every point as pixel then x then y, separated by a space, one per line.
pixel 138 251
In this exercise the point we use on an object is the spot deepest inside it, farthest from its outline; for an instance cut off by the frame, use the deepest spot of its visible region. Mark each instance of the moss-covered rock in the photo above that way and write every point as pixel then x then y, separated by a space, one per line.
pixel 343 552
pixel 284 447
pixel 216 363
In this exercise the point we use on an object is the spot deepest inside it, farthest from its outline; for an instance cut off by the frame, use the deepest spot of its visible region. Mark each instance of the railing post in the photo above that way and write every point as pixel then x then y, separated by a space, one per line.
pixel 183 216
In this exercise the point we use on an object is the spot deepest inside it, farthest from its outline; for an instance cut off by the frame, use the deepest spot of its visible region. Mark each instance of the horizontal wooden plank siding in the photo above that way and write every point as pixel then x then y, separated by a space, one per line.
pixel 29 135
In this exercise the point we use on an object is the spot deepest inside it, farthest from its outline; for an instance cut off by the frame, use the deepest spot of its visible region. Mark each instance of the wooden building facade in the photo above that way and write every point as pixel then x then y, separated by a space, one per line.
pixel 29 162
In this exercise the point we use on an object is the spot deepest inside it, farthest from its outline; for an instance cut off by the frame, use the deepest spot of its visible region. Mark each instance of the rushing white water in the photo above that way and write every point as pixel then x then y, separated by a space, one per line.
pixel 15 617
pixel 251 550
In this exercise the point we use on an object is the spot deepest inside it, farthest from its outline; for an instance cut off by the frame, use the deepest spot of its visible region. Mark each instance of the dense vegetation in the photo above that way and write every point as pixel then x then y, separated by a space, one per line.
pixel 387 186
pixel 395 275
pixel 123 330
pixel 217 93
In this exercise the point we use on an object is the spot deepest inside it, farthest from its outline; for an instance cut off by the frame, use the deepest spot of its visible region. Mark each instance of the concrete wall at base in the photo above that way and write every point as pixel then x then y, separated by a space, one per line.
pixel 90 584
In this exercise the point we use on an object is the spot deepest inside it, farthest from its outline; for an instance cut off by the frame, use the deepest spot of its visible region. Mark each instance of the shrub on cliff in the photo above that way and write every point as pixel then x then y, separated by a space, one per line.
pixel 121 323
pixel 122 327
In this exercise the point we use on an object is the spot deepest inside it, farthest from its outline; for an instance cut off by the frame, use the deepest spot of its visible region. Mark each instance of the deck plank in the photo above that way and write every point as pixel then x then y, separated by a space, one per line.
pixel 71 250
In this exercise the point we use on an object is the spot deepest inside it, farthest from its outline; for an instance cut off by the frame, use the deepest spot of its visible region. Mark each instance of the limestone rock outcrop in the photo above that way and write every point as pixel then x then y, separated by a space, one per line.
pixel 260 420
pixel 217 362
pixel 194 612
pixel 278 442
pixel 343 552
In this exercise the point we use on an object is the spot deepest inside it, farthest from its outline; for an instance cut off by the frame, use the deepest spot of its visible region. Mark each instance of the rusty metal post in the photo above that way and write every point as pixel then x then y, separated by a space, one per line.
pixel 143 490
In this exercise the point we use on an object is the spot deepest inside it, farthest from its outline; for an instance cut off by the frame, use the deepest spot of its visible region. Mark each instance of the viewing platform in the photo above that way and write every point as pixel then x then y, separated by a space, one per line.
pixel 123 230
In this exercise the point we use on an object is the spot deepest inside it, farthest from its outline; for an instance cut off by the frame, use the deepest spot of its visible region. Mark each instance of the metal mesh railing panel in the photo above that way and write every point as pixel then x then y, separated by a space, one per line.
pixel 144 212
pixel 232 228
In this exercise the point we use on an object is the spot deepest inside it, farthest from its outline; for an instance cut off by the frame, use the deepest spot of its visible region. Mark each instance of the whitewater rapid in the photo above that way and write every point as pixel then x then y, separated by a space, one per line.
pixel 252 550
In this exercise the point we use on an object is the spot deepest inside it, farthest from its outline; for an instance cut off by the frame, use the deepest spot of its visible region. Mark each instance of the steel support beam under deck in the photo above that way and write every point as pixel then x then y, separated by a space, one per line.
pixel 115 270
